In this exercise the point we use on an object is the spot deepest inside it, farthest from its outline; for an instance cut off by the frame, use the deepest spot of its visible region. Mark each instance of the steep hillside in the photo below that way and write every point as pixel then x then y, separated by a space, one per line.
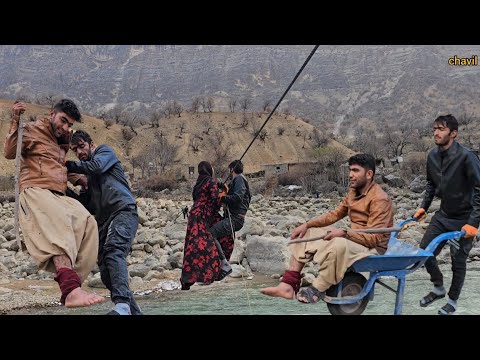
pixel 381 82
pixel 294 145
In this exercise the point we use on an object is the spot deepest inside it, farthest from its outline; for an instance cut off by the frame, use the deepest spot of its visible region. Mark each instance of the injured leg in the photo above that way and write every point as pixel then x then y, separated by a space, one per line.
pixel 290 283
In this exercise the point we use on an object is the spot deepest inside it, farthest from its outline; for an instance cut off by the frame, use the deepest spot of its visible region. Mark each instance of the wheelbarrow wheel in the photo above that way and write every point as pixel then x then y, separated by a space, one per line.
pixel 352 285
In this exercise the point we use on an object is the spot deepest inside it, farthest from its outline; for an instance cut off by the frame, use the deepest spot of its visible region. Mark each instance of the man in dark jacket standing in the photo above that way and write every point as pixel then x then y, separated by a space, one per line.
pixel 237 202
pixel 453 175
pixel 109 198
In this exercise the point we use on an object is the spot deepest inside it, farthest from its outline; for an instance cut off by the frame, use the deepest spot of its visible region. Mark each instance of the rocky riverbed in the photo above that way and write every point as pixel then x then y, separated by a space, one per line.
pixel 157 252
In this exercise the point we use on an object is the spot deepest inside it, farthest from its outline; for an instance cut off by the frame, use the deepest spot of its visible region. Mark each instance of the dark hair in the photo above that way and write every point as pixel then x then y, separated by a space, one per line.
pixel 237 166
pixel 205 168
pixel 366 161
pixel 68 107
pixel 448 120
pixel 81 135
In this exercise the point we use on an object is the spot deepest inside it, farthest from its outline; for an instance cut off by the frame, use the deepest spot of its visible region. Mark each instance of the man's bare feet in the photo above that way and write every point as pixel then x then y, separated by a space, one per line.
pixel 81 298
pixel 281 290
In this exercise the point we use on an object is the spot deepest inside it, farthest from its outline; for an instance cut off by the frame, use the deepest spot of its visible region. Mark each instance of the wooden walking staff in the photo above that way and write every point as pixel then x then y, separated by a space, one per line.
pixel 368 231
pixel 17 179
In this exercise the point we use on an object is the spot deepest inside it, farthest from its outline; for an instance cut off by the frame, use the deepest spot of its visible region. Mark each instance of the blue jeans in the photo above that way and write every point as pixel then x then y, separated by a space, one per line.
pixel 115 242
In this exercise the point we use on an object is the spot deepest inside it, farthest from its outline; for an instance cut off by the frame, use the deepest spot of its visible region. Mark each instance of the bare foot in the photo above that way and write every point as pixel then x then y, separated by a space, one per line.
pixel 81 298
pixel 281 290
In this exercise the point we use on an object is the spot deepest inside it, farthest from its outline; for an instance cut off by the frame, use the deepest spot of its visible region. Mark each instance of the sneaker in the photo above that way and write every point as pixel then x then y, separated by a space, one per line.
pixel 112 312
pixel 446 309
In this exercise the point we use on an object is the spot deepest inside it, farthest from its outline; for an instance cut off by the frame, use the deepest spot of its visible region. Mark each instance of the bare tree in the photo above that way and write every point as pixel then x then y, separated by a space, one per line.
pixel 164 152
pixel 330 159
pixel 108 123
pixel 155 117
pixel 220 147
pixel 368 140
pixel 177 108
pixel 232 103
pixel 210 104
pixel 203 103
pixel 141 161
pixel 195 105
pixel 266 105
pixel 181 127
pixel 466 121
pixel 129 119
pixel 51 100
pixel 255 128
pixel 245 104
pixel 396 138
pixel 263 135
pixel 280 130
pixel 206 127
pixel 194 143
pixel 245 121
pixel 115 113
pixel 320 138
pixel 168 110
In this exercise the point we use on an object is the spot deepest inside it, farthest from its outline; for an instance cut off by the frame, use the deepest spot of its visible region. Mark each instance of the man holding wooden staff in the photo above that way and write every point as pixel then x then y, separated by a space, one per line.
pixel 368 206
pixel 60 234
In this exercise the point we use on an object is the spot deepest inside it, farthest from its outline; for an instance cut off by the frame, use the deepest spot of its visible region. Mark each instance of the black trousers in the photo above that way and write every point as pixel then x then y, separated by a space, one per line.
pixel 439 225
pixel 224 227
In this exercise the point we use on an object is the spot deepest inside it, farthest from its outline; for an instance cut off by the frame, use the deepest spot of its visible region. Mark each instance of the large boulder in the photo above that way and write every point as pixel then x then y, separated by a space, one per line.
pixel 393 180
pixel 267 255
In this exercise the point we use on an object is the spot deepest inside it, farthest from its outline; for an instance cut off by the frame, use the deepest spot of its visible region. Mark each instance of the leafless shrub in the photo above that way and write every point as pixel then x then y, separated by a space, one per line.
pixel 127 134
pixel 108 123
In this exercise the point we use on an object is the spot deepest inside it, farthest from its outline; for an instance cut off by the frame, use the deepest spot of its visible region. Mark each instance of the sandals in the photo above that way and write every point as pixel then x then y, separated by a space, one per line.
pixel 310 295
pixel 446 309
pixel 225 270
pixel 430 298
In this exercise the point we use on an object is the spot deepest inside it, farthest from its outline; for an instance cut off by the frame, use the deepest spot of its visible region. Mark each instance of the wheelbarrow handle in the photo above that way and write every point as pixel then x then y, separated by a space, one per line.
pixel 450 236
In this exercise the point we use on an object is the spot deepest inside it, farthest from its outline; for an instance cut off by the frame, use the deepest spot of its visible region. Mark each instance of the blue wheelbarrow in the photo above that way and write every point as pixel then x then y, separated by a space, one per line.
pixel 352 294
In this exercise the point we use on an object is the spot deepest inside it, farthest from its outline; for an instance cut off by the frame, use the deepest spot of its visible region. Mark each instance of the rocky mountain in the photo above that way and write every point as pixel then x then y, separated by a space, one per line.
pixel 380 82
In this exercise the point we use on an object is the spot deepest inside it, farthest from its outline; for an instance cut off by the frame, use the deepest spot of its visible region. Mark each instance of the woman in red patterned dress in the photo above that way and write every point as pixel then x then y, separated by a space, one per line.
pixel 201 261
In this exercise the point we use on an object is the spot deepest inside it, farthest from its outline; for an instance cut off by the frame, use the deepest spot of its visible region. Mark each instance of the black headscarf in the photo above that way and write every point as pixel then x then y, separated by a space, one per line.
pixel 205 172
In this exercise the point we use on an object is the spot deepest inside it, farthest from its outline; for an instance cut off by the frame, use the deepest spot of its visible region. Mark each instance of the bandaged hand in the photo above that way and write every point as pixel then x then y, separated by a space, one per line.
pixel 470 231
pixel 420 215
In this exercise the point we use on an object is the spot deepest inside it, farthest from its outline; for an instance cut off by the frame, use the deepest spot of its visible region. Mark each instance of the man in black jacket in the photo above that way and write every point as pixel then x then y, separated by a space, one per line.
pixel 109 198
pixel 237 202
pixel 453 175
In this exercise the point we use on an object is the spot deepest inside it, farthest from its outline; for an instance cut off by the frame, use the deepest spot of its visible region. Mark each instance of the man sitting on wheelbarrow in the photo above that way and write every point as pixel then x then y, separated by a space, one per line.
pixel 368 206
